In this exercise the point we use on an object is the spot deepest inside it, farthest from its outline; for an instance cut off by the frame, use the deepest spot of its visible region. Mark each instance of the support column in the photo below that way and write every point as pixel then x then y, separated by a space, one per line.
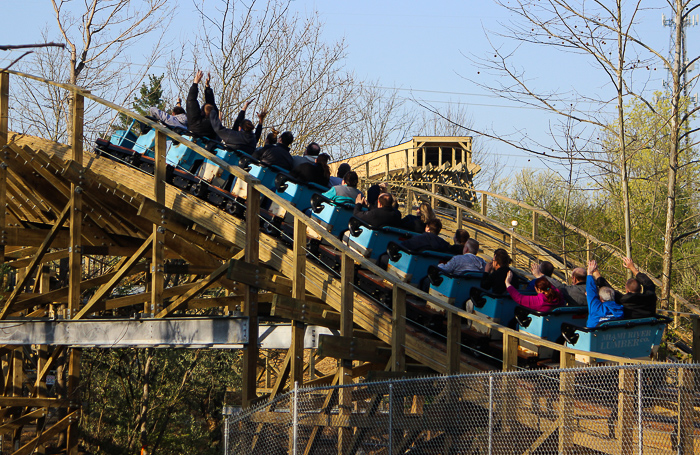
pixel 157 253
pixel 453 342
pixel 74 399
pixel 250 304
pixel 626 421
pixel 298 292
pixel 75 254
pixel 566 404
pixel 686 410
pixel 458 218
pixel 347 293
pixel 4 128
pixel 484 204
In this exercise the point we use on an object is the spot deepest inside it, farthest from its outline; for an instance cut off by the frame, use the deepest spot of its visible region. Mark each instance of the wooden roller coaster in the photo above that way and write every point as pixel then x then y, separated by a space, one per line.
pixel 112 223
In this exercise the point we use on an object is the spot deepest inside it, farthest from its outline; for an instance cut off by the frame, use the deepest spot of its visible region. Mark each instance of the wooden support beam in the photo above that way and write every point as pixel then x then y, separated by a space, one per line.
pixel 686 410
pixel 304 311
pixel 347 294
pixel 626 415
pixel 299 293
pixel 4 124
pixel 75 255
pixel 250 308
pixel 97 302
pixel 453 343
pixel 351 348
pixel 4 107
pixel 484 204
pixel 73 394
pixel 398 330
pixel 566 419
pixel 458 218
pixel 48 434
pixel 157 253
pixel 510 352
pixel 695 321
pixel 328 403
pixel 24 420
pixel 200 286
pixel 35 261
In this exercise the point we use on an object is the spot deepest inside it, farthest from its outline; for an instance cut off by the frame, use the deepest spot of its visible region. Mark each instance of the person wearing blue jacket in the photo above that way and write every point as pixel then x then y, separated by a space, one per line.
pixel 601 303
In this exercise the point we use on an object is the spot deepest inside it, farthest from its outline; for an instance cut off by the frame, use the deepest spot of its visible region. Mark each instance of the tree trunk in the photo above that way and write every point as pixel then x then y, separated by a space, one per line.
pixel 621 133
pixel 672 158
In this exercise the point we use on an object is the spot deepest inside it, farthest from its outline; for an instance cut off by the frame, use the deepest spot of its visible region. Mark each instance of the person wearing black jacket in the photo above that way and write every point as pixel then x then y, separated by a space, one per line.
pixel 277 154
pixel 241 135
pixel 198 118
pixel 317 172
pixel 383 215
pixel 430 240
pixel 496 272
pixel 640 299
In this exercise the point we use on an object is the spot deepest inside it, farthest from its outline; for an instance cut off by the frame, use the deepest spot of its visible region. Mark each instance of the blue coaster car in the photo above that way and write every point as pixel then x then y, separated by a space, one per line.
pixel 548 325
pixel 634 338
pixel 333 217
pixel 372 243
pixel 454 289
pixel 123 138
pixel 230 156
pixel 499 308
pixel 412 266
pixel 145 144
pixel 298 193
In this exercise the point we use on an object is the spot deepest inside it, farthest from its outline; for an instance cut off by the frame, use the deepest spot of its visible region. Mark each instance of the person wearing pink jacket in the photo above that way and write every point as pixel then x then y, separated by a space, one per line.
pixel 548 297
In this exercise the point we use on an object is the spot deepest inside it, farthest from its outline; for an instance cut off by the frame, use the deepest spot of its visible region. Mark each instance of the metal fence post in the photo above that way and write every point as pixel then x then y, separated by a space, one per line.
pixel 490 413
pixel 226 418
pixel 391 418
pixel 295 422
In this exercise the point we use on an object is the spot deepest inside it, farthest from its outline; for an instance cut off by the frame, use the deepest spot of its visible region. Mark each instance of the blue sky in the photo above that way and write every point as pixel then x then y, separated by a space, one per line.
pixel 422 48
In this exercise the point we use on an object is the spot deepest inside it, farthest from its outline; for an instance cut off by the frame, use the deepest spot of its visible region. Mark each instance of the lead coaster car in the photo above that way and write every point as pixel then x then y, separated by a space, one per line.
pixel 548 324
pixel 633 338
pixel 332 216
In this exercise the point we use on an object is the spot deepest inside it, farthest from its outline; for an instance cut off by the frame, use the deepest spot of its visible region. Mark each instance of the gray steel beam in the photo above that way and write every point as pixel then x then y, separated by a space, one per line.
pixel 190 332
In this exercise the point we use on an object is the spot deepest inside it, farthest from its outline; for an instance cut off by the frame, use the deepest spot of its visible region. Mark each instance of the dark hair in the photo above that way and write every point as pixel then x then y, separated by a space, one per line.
pixel 434 226
pixel 208 108
pixel 373 194
pixel 633 285
pixel 271 138
pixel 385 200
pixel 351 179
pixel 322 160
pixel 312 149
pixel 551 294
pixel 501 257
pixel 286 138
pixel 177 110
pixel 546 268
pixel 247 126
pixel 343 169
pixel 461 236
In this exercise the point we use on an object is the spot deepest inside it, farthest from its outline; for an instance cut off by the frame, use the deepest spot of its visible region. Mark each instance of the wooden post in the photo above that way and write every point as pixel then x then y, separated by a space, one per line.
pixel 398 330
pixel 484 203
pixel 74 399
pixel 588 250
pixel 695 319
pixel 157 251
pixel 367 171
pixel 75 256
pixel 4 131
pixel 433 201
pixel 686 410
pixel 453 342
pixel 454 158
pixel 675 315
pixel 626 421
pixel 439 156
pixel 425 163
pixel 459 217
pixel 406 166
pixel 250 304
pixel 17 382
pixel 566 404
pixel 347 295
pixel 535 225
pixel 386 175
pixel 298 292
pixel 409 201
pixel 510 352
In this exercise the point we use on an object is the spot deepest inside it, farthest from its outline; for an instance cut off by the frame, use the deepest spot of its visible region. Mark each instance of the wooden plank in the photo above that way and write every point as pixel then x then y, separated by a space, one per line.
pixel 686 410
pixel 328 403
pixel 304 311
pixel 454 334
pixel 4 123
pixel 23 420
pixel 35 262
pixel 75 255
pixel 74 408
pixel 299 293
pixel 347 292
pixel 96 302
pixel 566 419
pixel 626 415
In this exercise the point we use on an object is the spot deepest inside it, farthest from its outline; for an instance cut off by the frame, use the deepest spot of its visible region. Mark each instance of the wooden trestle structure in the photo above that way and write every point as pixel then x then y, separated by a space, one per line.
pixel 62 203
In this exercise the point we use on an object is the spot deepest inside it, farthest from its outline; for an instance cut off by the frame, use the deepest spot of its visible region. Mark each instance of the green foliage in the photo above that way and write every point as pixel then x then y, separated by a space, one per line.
pixel 187 391
pixel 150 94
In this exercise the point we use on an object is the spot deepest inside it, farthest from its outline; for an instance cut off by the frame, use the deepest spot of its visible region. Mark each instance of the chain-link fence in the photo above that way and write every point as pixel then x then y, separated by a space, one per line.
pixel 648 409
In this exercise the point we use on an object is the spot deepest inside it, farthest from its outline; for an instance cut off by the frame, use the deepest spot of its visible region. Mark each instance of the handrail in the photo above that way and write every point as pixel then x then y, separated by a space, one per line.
pixel 606 246
pixel 333 241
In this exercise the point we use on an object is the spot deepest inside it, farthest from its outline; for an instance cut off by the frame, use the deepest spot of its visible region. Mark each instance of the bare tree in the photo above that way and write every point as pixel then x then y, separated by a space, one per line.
pixel 99 35
pixel 266 52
